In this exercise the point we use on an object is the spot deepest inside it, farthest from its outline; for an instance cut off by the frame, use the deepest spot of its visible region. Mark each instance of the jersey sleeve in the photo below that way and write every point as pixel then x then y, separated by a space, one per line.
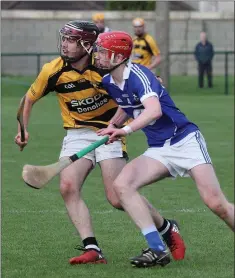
pixel 40 87
pixel 153 45
pixel 147 85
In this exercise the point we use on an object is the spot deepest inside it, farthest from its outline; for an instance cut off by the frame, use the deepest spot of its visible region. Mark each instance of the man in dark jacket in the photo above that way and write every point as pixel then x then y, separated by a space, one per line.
pixel 204 53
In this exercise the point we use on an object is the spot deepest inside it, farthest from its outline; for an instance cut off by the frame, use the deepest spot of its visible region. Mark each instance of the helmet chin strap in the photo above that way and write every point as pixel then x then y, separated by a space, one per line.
pixel 114 64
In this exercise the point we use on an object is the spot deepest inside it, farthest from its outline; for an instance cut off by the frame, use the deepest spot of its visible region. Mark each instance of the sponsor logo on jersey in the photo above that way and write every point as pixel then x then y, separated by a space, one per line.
pixel 87 104
pixel 96 84
pixel 69 86
pixel 81 80
pixel 118 100
pixel 136 98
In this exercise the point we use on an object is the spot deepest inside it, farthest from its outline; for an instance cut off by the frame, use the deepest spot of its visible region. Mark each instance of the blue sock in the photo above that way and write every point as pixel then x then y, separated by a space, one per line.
pixel 153 238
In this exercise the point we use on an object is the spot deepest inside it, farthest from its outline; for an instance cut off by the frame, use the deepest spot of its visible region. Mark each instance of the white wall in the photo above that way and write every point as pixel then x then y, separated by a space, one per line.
pixel 216 6
pixel 226 6
pixel 206 6
pixel 28 31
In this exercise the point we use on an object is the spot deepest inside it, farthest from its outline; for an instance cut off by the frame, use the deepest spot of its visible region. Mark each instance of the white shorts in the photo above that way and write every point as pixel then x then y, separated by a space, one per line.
pixel 182 156
pixel 78 139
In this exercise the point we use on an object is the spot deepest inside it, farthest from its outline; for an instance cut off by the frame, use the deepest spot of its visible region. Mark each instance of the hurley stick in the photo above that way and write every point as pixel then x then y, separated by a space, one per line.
pixel 38 176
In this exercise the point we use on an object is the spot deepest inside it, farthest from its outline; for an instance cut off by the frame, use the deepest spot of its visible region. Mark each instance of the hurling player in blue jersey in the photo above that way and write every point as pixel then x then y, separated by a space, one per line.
pixel 176 145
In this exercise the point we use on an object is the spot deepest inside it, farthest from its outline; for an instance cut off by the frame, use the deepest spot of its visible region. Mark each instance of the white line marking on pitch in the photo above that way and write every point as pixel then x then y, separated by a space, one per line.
pixel 9 161
pixel 183 210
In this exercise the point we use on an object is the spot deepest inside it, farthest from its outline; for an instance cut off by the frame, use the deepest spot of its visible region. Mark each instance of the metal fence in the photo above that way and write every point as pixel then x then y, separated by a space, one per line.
pixel 181 63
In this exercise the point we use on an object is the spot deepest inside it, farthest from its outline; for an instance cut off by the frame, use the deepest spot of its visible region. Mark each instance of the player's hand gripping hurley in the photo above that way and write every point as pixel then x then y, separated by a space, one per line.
pixel 38 176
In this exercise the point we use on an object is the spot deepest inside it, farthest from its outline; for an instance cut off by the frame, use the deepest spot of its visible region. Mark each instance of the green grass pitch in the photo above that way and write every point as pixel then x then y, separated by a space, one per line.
pixel 37 236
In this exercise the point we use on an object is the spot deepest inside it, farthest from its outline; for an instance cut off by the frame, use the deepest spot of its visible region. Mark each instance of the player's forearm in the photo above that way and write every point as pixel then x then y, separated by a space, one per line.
pixel 155 62
pixel 146 118
pixel 26 112
pixel 119 118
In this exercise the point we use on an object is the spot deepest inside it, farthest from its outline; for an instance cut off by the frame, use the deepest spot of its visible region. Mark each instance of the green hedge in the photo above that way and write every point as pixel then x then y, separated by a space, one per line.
pixel 130 5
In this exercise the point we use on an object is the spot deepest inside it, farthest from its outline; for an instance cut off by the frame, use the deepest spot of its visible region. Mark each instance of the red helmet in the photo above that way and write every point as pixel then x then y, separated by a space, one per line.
pixel 115 42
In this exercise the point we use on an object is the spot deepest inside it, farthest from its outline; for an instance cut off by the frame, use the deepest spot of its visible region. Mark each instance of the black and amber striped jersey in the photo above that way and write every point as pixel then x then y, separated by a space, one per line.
pixel 82 100
pixel 143 49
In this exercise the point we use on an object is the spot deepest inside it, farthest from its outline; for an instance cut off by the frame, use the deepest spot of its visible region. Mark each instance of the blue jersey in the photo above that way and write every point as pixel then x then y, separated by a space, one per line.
pixel 140 83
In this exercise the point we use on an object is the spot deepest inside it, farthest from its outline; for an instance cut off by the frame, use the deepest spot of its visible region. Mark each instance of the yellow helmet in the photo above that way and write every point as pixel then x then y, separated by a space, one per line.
pixel 138 22
pixel 98 17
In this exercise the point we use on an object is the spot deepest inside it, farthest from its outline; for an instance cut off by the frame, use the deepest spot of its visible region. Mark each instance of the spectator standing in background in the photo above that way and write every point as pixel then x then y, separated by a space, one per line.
pixel 204 53
pixel 145 49
pixel 98 19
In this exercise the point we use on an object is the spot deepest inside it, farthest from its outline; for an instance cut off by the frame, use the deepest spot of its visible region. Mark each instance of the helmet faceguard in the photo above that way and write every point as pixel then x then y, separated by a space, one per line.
pixel 108 57
pixel 108 46
pixel 82 33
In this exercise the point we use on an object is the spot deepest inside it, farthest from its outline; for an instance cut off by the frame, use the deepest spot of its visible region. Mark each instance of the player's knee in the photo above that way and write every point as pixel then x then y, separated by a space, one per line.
pixel 114 202
pixel 67 189
pixel 121 189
